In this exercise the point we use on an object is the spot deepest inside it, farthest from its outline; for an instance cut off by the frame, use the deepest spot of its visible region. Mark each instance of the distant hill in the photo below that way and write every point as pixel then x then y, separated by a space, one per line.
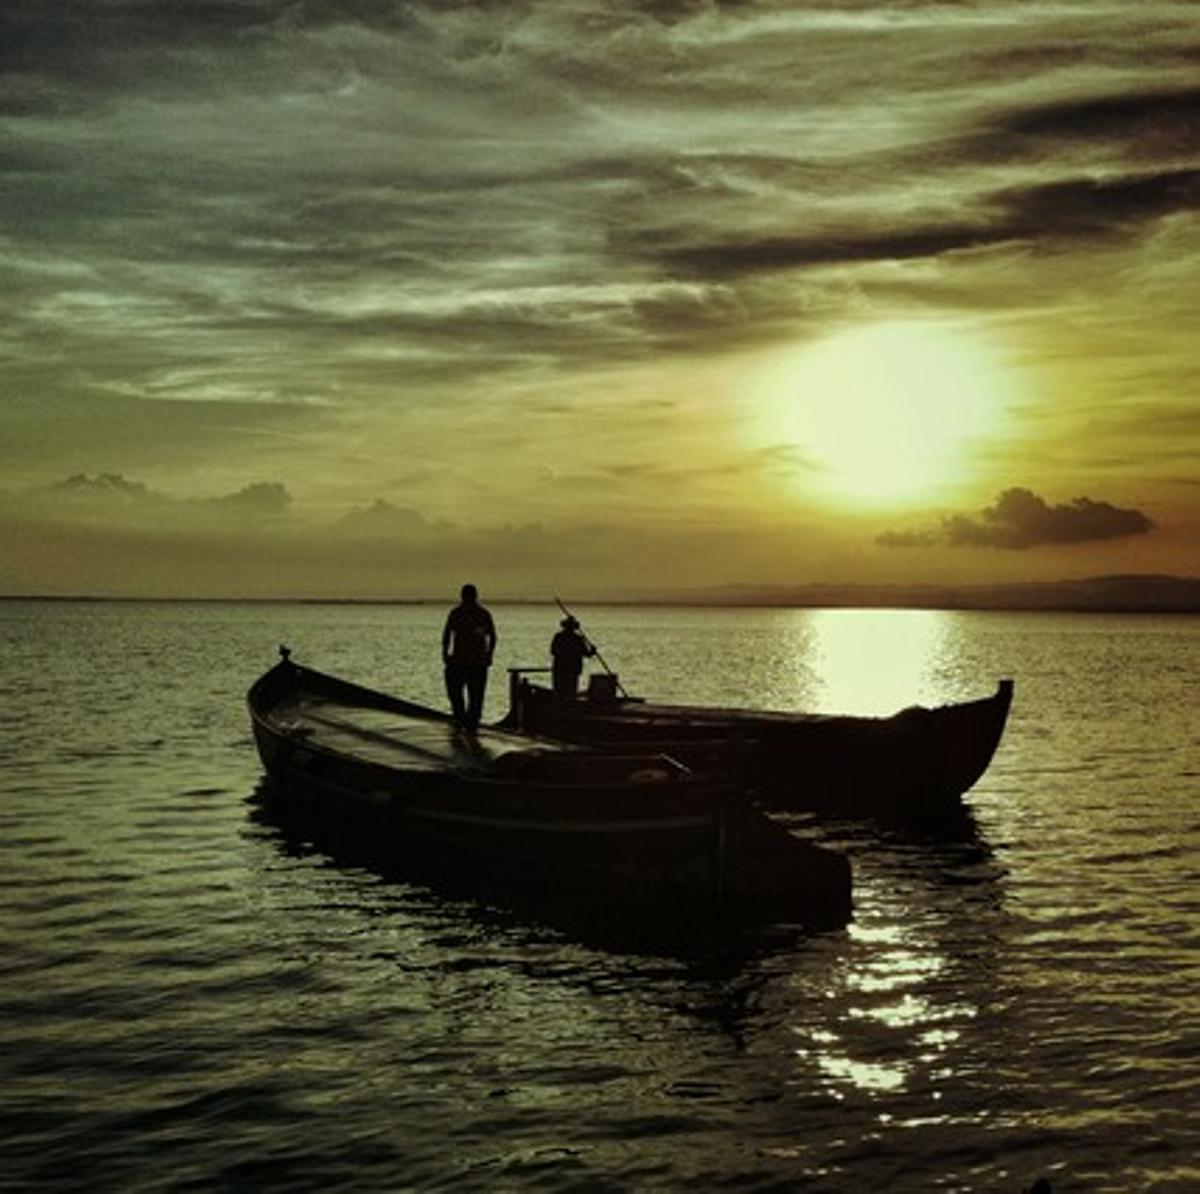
pixel 1115 594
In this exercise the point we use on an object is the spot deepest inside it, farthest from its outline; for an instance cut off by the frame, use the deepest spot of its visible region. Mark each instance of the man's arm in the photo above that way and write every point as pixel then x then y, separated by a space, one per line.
pixel 447 631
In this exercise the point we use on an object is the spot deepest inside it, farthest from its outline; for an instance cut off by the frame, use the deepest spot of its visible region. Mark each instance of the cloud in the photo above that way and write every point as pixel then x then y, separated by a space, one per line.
pixel 102 487
pixel 1070 160
pixel 262 498
pixel 1062 211
pixel 113 499
pixel 1156 123
pixel 1076 208
pixel 1021 519
pixel 384 519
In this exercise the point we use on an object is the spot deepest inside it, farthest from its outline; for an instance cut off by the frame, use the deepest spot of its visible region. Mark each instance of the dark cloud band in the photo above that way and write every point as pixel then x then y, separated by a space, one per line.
pixel 1021 519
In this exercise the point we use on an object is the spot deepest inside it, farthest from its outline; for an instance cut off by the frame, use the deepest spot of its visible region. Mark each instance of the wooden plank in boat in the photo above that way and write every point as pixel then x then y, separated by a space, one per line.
pixel 393 740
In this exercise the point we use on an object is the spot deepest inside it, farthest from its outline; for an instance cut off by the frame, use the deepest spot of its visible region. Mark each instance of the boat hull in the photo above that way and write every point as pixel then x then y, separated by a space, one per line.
pixel 919 760
pixel 621 834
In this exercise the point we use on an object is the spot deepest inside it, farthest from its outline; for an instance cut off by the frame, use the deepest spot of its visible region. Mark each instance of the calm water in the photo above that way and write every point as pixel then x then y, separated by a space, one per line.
pixel 187 1002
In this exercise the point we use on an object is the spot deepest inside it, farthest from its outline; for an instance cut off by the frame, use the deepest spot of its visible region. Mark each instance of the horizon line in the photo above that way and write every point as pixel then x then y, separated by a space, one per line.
pixel 1010 596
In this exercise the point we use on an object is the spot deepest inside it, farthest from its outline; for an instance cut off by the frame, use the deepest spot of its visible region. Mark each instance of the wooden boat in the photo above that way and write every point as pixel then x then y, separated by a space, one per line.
pixel 919 760
pixel 625 832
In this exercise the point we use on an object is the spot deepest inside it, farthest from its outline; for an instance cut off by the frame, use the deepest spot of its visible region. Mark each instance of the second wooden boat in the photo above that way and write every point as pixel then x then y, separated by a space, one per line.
pixel 916 761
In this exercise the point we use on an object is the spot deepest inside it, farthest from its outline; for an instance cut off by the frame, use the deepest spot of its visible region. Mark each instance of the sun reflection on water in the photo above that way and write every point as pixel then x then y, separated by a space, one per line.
pixel 864 1075
pixel 876 661
pixel 900 1024
pixel 906 1011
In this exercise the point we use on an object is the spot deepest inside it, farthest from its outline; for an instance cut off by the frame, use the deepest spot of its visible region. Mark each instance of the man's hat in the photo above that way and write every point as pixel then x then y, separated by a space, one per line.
pixel 569 623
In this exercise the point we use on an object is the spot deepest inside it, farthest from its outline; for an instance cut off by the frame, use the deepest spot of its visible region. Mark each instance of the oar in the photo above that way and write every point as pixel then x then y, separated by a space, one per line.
pixel 595 650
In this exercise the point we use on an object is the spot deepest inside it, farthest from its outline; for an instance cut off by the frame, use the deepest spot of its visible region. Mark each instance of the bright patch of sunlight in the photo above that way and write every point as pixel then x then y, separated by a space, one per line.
pixel 863 1075
pixel 876 661
pixel 906 1011
pixel 887 413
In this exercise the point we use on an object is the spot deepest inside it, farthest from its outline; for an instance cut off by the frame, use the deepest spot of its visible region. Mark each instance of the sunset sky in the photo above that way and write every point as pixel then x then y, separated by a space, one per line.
pixel 320 298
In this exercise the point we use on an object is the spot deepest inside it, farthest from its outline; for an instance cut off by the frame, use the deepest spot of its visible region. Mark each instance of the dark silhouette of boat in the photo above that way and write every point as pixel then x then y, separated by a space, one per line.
pixel 915 762
pixel 624 832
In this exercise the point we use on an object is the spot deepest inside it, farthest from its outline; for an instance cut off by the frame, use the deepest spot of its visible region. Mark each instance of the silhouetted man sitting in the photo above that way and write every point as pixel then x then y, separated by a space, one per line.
pixel 468 643
pixel 568 649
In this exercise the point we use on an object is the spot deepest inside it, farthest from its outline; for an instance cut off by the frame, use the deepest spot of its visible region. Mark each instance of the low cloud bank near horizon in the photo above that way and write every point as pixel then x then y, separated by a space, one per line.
pixel 83 494
pixel 109 534
pixel 1020 519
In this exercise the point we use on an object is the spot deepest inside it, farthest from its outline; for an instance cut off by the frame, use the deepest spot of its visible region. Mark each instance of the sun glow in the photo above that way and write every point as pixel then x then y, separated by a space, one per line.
pixel 888 412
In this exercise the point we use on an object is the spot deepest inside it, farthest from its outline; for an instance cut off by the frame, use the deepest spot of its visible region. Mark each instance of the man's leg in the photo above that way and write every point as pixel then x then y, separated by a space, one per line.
pixel 562 682
pixel 476 687
pixel 454 690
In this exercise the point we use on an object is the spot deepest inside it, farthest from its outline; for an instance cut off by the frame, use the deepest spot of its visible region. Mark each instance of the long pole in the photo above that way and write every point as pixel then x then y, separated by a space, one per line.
pixel 595 650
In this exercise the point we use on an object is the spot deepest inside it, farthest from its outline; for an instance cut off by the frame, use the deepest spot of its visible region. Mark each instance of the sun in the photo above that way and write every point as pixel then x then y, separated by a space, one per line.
pixel 888 413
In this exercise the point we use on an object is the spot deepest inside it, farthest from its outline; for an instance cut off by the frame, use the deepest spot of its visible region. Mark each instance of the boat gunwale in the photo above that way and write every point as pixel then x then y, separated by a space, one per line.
pixel 637 711
pixel 680 778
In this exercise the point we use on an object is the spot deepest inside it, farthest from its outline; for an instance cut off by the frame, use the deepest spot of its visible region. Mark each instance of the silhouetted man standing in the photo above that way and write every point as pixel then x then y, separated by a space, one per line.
pixel 468 643
pixel 568 649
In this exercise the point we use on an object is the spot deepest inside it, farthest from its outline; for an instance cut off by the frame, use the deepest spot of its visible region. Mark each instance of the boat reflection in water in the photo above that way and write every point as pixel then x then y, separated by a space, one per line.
pixel 620 836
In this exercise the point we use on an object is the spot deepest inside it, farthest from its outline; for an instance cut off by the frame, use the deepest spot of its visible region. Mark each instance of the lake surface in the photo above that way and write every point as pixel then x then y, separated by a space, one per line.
pixel 189 1001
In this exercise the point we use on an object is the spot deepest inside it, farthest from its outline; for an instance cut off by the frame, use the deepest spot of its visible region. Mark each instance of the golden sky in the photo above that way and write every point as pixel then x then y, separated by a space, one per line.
pixel 319 298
